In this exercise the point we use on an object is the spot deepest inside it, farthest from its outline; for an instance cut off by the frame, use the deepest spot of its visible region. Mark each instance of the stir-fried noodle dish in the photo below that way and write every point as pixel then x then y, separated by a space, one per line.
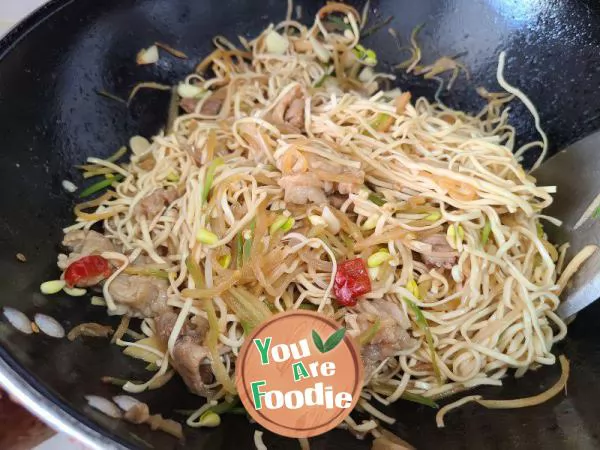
pixel 295 177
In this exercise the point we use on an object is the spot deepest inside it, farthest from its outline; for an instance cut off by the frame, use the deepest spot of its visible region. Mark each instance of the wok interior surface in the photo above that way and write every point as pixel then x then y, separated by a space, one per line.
pixel 53 63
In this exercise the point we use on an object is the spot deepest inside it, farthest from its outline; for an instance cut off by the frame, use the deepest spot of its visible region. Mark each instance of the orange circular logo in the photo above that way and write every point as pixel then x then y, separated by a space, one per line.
pixel 299 374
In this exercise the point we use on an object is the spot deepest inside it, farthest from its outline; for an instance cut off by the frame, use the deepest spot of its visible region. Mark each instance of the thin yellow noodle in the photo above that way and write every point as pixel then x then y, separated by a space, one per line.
pixel 518 93
pixel 574 265
pixel 433 199
pixel 439 417
pixel 511 404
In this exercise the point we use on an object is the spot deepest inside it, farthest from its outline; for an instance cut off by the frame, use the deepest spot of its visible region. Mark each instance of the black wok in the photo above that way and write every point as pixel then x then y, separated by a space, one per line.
pixel 51 119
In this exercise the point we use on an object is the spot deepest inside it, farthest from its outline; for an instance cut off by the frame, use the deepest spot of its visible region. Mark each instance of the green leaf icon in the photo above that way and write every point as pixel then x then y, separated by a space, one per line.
pixel 318 341
pixel 331 342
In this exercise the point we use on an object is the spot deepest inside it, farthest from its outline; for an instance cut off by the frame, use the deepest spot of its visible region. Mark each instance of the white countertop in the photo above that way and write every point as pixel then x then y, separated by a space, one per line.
pixel 11 11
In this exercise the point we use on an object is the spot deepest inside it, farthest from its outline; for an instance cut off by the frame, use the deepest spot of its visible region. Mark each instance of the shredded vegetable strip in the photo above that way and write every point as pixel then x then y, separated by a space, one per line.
pixel 291 159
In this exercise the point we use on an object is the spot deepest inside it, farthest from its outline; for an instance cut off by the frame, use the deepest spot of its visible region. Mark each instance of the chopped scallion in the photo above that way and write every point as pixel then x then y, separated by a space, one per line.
pixel 249 309
pixel 382 122
pixel 413 287
pixel 455 234
pixel 117 155
pixel 289 223
pixel 485 233
pixel 416 398
pixel 224 261
pixel 370 223
pixel 75 292
pixel 279 222
pixel 52 287
pixel 206 237
pixel 147 271
pixel 152 367
pixel 422 323
pixel 540 230
pixel 248 242
pixel 208 181
pixel 185 90
pixel 195 272
pixel 321 80
pixel 378 200
pixel 378 258
pixel 239 249
pixel 96 187
pixel 434 217
pixel 210 419
pixel 98 301
pixel 173 176
pixel 338 22
pixel 367 336
pixel 365 55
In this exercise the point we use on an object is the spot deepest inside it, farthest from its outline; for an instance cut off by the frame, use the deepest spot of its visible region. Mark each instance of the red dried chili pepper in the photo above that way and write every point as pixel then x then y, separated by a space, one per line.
pixel 87 271
pixel 351 281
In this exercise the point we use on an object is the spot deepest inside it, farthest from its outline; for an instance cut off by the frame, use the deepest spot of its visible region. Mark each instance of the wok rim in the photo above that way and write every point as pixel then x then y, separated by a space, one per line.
pixel 51 412
pixel 14 379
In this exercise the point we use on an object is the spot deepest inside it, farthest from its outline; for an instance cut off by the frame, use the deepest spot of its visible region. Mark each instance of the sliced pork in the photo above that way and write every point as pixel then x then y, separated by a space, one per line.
pixel 190 358
pixel 302 189
pixel 308 178
pixel 146 296
pixel 441 255
pixel 391 337
pixel 290 110
pixel 83 243
pixel 211 106
pixel 155 202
